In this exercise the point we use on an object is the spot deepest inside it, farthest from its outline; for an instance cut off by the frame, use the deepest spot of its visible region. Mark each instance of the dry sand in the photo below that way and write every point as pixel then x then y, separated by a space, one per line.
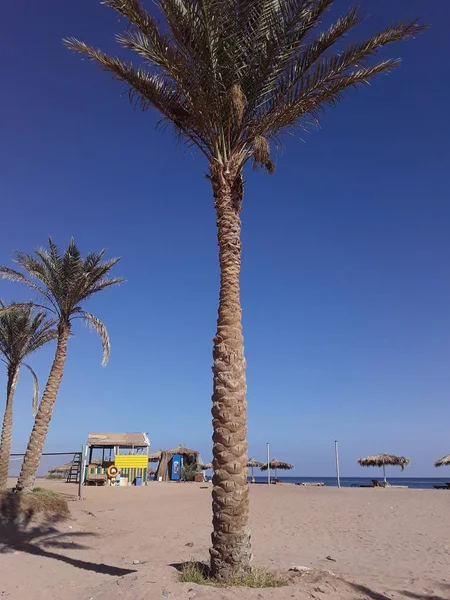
pixel 386 544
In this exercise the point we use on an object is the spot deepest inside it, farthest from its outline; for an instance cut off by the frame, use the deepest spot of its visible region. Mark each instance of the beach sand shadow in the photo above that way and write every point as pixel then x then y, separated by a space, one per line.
pixel 17 534
pixel 374 595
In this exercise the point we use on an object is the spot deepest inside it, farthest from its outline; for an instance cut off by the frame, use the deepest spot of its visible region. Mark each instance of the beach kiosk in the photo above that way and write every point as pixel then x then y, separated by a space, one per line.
pixel 116 459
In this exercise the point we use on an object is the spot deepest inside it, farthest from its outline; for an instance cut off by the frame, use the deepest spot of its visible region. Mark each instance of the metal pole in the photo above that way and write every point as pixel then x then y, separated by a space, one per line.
pixel 336 452
pixel 268 463
pixel 80 482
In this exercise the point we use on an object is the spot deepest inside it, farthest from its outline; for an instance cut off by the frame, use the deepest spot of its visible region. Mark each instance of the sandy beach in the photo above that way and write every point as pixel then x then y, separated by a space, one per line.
pixel 384 544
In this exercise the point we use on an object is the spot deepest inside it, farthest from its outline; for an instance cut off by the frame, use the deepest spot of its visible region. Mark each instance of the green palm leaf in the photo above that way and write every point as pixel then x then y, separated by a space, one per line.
pixel 23 330
pixel 273 51
pixel 63 281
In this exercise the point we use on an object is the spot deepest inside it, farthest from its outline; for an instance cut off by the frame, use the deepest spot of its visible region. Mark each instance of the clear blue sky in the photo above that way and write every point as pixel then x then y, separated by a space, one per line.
pixel 346 260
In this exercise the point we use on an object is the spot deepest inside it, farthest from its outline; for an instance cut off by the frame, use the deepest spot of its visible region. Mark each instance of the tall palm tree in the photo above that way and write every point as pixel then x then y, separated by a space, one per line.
pixel 230 76
pixel 22 332
pixel 64 282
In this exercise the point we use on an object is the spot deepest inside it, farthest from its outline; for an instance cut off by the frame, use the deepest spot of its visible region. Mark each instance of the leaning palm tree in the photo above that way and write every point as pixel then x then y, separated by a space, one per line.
pixel 63 282
pixel 22 332
pixel 230 76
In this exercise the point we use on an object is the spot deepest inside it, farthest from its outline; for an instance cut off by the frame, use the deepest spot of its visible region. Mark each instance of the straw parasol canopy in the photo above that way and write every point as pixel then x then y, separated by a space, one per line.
pixel 206 467
pixel 445 460
pixel 254 464
pixel 275 464
pixel 381 460
pixel 59 472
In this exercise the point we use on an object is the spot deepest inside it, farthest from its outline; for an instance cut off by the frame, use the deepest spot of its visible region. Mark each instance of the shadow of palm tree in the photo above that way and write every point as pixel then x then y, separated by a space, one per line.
pixel 17 534
pixel 421 596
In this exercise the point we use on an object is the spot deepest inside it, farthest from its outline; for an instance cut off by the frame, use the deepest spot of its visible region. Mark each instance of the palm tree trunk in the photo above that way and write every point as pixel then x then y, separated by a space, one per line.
pixel 5 444
pixel 231 551
pixel 36 442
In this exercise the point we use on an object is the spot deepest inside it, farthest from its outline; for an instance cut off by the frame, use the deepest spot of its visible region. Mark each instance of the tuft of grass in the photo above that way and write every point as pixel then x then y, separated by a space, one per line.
pixel 39 490
pixel 195 572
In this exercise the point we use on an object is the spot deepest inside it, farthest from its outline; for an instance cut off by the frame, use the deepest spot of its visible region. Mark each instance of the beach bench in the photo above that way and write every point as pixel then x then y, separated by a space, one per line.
pixel 446 486
pixel 311 483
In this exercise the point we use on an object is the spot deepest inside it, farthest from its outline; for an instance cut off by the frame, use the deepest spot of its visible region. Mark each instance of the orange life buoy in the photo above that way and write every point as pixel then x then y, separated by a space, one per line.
pixel 112 471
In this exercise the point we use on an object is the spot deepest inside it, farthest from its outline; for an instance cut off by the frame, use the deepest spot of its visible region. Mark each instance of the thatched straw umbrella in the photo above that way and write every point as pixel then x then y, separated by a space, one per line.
pixel 154 456
pixel 381 460
pixel 59 472
pixel 277 464
pixel 445 460
pixel 206 467
pixel 254 464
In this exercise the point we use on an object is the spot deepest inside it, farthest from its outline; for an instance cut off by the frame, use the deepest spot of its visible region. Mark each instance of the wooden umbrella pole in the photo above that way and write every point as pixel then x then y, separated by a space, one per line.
pixel 384 473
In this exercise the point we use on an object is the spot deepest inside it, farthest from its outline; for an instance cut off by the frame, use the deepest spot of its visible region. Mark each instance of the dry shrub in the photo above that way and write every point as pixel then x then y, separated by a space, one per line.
pixel 24 506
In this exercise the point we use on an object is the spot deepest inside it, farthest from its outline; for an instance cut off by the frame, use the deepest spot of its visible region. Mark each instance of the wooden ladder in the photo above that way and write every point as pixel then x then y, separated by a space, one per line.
pixel 75 469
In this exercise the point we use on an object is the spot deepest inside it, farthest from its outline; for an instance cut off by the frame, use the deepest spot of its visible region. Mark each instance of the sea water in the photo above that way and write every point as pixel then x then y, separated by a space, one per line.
pixel 412 482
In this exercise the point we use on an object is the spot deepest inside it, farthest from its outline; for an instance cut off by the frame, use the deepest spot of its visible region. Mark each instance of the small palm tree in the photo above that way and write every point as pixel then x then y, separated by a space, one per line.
pixel 22 332
pixel 231 76
pixel 64 282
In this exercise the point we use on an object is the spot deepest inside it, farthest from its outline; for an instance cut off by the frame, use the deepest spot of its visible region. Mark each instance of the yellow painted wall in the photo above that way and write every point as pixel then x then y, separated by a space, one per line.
pixel 131 461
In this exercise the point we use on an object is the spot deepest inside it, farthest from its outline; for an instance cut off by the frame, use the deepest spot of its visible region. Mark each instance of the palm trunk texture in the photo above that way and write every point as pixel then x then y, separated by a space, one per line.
pixel 36 442
pixel 5 444
pixel 231 551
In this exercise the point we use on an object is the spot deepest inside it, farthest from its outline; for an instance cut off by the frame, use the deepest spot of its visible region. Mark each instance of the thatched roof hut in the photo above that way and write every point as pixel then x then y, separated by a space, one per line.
pixel 188 457
pixel 445 460
pixel 184 451
pixel 381 460
pixel 123 440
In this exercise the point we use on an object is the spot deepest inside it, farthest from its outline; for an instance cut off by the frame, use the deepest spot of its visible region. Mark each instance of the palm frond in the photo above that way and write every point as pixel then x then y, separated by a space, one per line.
pixel 99 286
pixel 16 276
pixel 35 402
pixel 46 333
pixel 63 279
pixel 96 324
pixel 315 98
pixel 150 89
pixel 23 330
pixel 161 51
pixel 225 73
pixel 302 92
